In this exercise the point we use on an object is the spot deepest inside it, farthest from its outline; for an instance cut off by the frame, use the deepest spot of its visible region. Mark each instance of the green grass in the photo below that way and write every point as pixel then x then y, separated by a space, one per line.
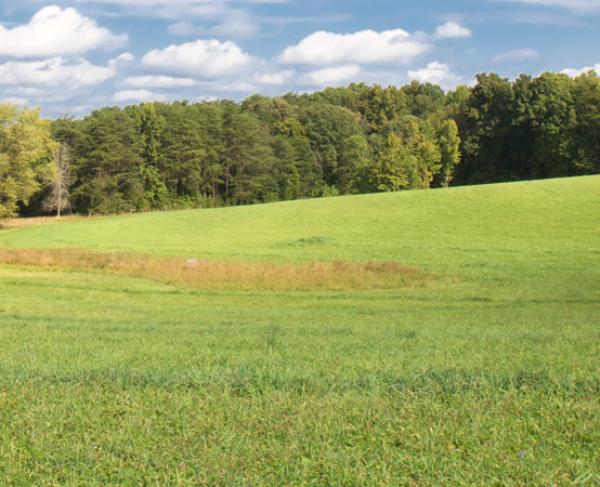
pixel 490 375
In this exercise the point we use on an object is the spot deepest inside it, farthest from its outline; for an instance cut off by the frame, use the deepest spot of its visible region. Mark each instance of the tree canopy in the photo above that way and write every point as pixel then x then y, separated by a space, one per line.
pixel 338 141
pixel 26 149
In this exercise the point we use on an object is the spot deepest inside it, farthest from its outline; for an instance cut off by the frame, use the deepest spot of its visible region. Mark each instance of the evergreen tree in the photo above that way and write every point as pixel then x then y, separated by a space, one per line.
pixel 182 160
pixel 332 132
pixel 150 126
pixel 108 164
pixel 486 131
pixel 338 141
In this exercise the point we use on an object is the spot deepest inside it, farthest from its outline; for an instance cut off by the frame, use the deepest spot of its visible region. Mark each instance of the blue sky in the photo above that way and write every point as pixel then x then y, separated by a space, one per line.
pixel 72 56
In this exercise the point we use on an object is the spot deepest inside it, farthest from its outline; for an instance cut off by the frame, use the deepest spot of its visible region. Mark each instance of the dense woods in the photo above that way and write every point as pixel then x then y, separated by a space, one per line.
pixel 349 140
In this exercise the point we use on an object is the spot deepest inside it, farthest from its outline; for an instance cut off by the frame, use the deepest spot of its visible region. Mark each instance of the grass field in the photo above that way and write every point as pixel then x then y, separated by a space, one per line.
pixel 483 371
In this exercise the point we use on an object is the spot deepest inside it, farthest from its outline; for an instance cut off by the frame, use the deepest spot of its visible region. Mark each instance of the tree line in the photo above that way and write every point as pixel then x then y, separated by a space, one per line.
pixel 351 140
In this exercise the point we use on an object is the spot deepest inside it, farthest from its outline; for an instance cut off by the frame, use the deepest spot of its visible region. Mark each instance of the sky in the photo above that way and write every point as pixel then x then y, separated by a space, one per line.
pixel 70 57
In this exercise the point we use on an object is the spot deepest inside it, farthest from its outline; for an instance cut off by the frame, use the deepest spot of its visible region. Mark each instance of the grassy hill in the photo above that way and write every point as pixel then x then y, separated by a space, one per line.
pixel 414 225
pixel 488 372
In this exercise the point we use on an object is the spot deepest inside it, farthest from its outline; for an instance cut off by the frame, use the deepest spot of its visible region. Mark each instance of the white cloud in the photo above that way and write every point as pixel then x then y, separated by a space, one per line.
pixel 275 78
pixel 126 57
pixel 55 72
pixel 574 73
pixel 220 18
pixel 546 17
pixel 137 96
pixel 54 32
pixel 236 86
pixel 26 90
pixel 435 73
pixel 159 82
pixel 516 56
pixel 205 58
pixel 237 23
pixel 575 5
pixel 186 28
pixel 162 3
pixel 208 10
pixel 451 30
pixel 364 47
pixel 230 24
pixel 207 98
pixel 14 100
pixel 332 76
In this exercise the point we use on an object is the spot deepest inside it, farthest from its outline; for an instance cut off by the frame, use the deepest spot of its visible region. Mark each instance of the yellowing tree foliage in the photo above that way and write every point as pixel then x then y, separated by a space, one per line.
pixel 26 149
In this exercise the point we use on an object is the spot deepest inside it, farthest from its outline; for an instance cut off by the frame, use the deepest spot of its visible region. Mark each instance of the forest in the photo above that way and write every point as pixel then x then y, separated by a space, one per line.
pixel 351 140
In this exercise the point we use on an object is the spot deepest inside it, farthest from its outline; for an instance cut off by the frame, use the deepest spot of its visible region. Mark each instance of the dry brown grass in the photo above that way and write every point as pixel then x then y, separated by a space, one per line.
pixel 43 220
pixel 221 275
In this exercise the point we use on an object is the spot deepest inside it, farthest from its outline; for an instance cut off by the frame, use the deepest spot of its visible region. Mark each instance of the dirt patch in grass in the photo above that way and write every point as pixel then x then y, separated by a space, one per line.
pixel 223 275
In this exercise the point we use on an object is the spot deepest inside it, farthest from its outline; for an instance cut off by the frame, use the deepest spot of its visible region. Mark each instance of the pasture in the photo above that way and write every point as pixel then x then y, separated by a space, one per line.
pixel 417 338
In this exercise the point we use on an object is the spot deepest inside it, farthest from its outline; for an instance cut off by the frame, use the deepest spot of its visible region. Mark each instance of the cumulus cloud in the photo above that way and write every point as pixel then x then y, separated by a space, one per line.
pixel 574 73
pixel 204 58
pixel 124 58
pixel 435 73
pixel 451 30
pixel 158 81
pixel 332 76
pixel 57 71
pixel 364 47
pixel 139 96
pixel 516 56
pixel 275 78
pixel 53 32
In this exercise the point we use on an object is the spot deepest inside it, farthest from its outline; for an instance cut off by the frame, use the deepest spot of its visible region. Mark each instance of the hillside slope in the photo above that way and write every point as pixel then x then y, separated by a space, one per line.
pixel 489 373
pixel 512 233
pixel 407 225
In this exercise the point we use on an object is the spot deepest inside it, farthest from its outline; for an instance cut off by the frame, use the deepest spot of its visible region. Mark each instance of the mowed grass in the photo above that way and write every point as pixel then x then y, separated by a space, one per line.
pixel 487 375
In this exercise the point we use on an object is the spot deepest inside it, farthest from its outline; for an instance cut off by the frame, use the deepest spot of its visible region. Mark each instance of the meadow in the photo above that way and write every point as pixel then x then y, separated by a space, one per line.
pixel 455 341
